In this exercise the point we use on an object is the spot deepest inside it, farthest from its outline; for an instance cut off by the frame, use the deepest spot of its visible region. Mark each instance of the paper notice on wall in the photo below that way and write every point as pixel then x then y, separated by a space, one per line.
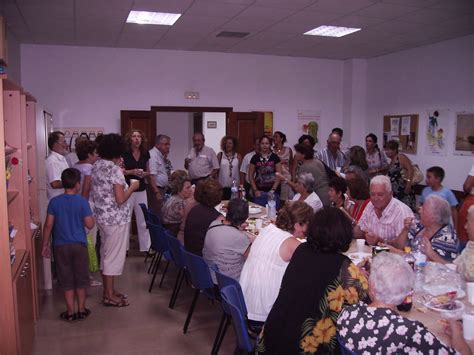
pixel 406 121
pixel 437 129
pixel 394 126
pixel 309 122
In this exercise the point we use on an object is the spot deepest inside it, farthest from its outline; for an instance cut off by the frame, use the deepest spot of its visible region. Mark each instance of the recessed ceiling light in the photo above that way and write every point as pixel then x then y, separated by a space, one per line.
pixel 331 31
pixel 152 18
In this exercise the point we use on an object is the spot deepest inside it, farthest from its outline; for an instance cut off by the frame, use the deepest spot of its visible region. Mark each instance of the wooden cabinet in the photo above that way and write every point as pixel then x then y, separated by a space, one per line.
pixel 19 218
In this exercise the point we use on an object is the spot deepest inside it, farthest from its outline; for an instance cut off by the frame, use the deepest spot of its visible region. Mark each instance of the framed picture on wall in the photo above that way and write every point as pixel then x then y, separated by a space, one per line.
pixel 464 139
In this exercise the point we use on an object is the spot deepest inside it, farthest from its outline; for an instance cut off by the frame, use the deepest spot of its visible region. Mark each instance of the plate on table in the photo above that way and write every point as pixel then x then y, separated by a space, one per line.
pixel 358 257
pixel 436 290
pixel 254 210
pixel 448 307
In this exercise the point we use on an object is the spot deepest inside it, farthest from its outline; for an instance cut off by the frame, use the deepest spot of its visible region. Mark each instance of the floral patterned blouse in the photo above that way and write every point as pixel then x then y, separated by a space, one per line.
pixel 445 241
pixel 105 174
pixel 173 209
pixel 368 330
pixel 315 289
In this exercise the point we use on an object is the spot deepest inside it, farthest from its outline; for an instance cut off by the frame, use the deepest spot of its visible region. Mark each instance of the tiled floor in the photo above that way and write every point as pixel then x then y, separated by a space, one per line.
pixel 147 326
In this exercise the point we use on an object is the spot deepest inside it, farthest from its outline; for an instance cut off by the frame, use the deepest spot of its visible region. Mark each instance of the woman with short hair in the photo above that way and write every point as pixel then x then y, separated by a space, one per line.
pixel 286 159
pixel 110 193
pixel 439 240
pixel 377 328
pixel 269 256
pixel 181 193
pixel 359 195
pixel 229 165
pixel 318 283
pixel 465 261
pixel 337 191
pixel 304 188
pixel 226 243
pixel 208 195
pixel 357 163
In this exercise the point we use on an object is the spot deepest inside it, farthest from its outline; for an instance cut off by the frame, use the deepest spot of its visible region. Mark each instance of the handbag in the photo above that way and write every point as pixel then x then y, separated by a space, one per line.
pixel 93 262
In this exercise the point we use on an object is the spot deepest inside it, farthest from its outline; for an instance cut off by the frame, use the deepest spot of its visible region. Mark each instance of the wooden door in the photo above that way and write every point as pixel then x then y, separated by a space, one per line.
pixel 246 126
pixel 142 120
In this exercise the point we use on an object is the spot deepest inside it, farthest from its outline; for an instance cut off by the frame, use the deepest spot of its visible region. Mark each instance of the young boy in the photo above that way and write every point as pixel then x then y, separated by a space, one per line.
pixel 434 177
pixel 67 215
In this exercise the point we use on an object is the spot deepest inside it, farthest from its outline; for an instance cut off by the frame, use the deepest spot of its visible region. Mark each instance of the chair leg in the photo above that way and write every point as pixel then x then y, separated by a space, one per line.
pixel 226 326
pixel 147 254
pixel 178 277
pixel 220 334
pixel 164 273
pixel 178 284
pixel 191 310
pixel 155 270
pixel 152 261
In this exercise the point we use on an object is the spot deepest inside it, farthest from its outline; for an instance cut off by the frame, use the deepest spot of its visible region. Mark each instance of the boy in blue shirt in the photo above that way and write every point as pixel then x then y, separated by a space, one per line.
pixel 67 216
pixel 434 177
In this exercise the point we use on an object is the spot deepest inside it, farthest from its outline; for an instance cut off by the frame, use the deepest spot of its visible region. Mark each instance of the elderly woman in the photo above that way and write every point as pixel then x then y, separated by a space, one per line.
pixel 304 188
pixel 303 318
pixel 269 256
pixel 173 209
pixel 439 240
pixel 465 261
pixel 305 156
pixel 109 194
pixel 359 195
pixel 226 243
pixel 337 191
pixel 377 328
pixel 208 195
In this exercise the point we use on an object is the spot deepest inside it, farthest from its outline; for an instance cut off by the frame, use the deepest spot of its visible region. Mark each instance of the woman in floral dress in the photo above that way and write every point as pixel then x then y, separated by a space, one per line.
pixel 377 328
pixel 318 283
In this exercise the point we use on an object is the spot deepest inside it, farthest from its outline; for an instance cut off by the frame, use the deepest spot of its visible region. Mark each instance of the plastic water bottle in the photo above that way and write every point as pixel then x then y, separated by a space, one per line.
pixel 242 192
pixel 420 262
pixel 234 190
pixel 407 303
pixel 409 258
pixel 271 214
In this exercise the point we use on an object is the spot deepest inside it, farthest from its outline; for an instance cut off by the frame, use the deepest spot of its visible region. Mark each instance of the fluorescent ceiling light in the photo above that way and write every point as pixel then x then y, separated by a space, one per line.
pixel 331 31
pixel 152 18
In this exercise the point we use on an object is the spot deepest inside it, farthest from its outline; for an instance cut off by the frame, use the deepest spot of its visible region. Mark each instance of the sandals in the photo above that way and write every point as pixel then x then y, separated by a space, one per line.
pixel 65 316
pixel 111 303
pixel 83 315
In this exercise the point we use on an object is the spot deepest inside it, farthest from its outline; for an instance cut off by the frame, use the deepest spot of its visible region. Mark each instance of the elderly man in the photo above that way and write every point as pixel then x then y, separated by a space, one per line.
pixel 384 217
pixel 332 155
pixel 201 161
pixel 55 163
pixel 465 261
pixel 160 170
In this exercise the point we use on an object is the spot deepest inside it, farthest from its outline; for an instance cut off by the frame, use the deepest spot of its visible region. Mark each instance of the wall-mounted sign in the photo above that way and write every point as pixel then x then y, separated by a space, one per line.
pixel 211 124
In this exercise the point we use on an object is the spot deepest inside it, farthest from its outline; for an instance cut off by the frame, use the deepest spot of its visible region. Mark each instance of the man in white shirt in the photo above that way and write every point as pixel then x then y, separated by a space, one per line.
pixel 385 217
pixel 244 168
pixel 201 161
pixel 332 155
pixel 160 171
pixel 55 164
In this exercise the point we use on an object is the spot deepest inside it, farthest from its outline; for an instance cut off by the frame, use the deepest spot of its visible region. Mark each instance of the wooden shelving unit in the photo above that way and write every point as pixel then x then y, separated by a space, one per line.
pixel 19 306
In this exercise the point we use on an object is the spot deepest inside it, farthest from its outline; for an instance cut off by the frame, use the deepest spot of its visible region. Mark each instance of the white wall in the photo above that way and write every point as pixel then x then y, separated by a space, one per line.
pixel 436 76
pixel 214 135
pixel 85 85
pixel 178 126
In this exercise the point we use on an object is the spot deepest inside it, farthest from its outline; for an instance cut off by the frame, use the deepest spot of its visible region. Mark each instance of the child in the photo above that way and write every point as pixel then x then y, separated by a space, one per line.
pixel 434 177
pixel 67 215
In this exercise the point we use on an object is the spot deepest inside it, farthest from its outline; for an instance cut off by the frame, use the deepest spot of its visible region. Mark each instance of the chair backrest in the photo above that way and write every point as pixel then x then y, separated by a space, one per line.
pixel 176 249
pixel 342 347
pixel 145 213
pixel 154 218
pixel 198 271
pixel 159 242
pixel 224 281
pixel 229 295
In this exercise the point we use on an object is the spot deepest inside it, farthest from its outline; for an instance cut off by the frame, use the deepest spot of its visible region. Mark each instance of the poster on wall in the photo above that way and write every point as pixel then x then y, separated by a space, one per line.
pixel 437 125
pixel 72 133
pixel 268 123
pixel 309 122
pixel 464 140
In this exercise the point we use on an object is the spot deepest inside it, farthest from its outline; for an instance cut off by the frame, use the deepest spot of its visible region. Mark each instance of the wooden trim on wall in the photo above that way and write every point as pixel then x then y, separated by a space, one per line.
pixel 190 109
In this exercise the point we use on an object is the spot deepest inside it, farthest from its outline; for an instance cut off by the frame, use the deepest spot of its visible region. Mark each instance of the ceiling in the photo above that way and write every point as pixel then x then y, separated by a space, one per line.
pixel 276 27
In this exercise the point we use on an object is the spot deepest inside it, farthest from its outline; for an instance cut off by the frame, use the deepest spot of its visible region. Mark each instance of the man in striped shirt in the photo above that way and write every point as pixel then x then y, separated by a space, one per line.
pixel 384 217
pixel 332 155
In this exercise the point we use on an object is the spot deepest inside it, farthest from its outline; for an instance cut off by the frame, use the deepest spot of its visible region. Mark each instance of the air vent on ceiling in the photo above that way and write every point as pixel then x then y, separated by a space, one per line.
pixel 230 34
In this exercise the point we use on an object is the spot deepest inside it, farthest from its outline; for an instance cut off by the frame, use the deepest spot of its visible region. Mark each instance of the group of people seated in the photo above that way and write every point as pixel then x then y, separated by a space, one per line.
pixel 325 199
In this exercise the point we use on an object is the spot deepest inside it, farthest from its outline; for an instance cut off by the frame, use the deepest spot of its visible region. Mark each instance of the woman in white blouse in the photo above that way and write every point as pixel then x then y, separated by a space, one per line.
pixel 229 165
pixel 304 188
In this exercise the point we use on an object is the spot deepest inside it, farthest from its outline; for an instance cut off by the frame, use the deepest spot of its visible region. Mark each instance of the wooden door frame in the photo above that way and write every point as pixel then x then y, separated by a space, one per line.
pixel 194 109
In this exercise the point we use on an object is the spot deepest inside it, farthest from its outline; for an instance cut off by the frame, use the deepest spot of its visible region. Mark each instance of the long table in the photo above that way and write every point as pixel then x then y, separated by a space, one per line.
pixel 429 317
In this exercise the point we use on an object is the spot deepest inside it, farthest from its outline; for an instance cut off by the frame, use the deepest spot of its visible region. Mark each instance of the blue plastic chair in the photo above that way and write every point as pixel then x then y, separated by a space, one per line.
pixel 230 300
pixel 201 280
pixel 176 250
pixel 224 281
pixel 159 243
pixel 342 347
